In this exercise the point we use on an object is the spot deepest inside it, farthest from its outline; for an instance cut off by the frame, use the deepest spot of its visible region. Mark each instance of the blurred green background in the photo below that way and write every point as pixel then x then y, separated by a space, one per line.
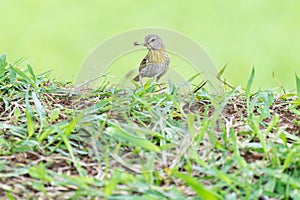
pixel 59 35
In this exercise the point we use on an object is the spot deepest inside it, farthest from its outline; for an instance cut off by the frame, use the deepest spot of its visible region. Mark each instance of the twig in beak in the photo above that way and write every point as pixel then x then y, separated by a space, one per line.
pixel 136 43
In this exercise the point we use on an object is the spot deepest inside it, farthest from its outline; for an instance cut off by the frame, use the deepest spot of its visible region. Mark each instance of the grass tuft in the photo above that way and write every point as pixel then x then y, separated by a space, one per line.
pixel 298 86
pixel 60 141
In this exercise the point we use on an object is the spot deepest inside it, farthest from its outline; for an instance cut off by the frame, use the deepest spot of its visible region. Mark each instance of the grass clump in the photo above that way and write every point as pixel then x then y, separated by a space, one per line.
pixel 58 141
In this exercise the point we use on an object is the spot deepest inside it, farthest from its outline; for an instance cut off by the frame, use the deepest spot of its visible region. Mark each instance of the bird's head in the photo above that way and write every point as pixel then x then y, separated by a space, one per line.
pixel 153 42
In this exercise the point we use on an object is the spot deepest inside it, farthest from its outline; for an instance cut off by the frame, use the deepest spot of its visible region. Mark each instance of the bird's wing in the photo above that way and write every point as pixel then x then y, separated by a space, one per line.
pixel 143 63
pixel 168 60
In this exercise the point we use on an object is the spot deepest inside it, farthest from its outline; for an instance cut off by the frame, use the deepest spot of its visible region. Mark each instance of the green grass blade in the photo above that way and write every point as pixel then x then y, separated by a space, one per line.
pixel 289 159
pixel 28 113
pixel 119 133
pixel 200 189
pixel 272 124
pixel 295 111
pixel 30 70
pixel 24 76
pixel 190 122
pixel 248 89
pixel 194 77
pixel 112 183
pixel 39 109
pixel 220 73
pixel 12 75
pixel 30 126
pixel 254 124
pixel 9 196
pixel 45 134
pixel 298 86
pixel 240 160
pixel 65 137
pixel 2 64
pixel 284 178
pixel 40 172
pixel 199 87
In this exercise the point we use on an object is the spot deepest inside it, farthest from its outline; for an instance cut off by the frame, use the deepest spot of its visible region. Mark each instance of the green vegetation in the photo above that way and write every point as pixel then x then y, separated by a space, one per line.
pixel 60 141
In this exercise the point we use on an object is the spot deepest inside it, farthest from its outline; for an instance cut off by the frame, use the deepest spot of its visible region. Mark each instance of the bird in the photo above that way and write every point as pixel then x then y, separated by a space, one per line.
pixel 156 62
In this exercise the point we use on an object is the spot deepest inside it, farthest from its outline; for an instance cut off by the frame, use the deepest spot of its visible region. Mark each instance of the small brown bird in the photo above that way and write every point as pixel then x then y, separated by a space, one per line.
pixel 156 62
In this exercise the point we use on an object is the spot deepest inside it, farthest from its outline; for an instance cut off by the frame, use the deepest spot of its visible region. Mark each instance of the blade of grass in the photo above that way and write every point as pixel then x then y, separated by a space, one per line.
pixel 248 90
pixel 65 137
pixel 40 172
pixel 119 133
pixel 284 178
pixel 16 172
pixel 274 122
pixel 289 159
pixel 220 73
pixel 30 70
pixel 240 160
pixel 298 86
pixel 19 61
pixel 2 64
pixel 194 76
pixel 12 75
pixel 200 189
pixel 111 185
pixel 39 109
pixel 200 86
pixel 28 113
pixel 254 124
pixel 24 76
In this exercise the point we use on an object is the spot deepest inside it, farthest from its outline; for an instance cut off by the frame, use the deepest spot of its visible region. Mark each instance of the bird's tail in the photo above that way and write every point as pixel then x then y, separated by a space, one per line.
pixel 137 78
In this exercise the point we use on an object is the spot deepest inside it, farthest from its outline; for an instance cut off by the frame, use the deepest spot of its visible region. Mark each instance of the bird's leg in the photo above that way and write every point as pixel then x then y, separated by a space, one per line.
pixel 157 80
pixel 160 88
pixel 140 77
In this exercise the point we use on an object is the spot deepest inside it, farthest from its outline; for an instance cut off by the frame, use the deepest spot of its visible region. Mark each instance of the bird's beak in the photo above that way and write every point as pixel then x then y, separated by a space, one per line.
pixel 145 44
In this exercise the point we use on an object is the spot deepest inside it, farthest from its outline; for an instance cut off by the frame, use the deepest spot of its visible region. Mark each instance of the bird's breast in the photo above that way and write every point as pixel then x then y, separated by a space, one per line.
pixel 157 56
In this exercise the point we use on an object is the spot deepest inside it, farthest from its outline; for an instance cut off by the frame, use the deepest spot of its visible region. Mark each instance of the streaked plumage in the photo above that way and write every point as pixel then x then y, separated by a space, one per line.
pixel 156 62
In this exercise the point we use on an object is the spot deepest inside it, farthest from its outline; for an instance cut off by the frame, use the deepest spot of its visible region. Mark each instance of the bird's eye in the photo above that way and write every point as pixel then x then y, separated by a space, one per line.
pixel 152 40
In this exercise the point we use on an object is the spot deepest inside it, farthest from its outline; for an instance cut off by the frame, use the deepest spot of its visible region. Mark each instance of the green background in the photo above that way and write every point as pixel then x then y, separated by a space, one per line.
pixel 59 35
